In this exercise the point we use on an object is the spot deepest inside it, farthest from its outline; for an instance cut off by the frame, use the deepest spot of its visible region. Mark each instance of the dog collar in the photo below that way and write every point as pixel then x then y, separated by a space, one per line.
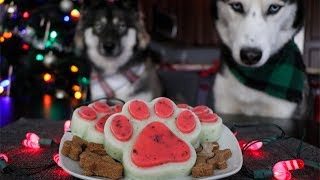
pixel 282 76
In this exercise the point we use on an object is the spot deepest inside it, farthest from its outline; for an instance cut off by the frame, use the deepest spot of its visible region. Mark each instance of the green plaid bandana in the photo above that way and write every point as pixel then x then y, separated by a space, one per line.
pixel 282 76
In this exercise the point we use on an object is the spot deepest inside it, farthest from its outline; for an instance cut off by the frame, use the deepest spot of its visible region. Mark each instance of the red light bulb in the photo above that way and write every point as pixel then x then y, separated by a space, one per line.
pixel 31 141
pixel 26 15
pixel 25 47
pixel 57 159
pixel 282 168
pixel 254 146
pixel 5 157
pixel 67 126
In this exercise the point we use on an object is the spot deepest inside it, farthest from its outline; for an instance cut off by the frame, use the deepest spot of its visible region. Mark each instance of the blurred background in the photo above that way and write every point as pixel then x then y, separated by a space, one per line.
pixel 42 77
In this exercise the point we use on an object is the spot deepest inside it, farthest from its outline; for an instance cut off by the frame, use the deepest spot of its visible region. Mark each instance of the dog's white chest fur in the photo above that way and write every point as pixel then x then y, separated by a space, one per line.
pixel 232 97
pixel 120 86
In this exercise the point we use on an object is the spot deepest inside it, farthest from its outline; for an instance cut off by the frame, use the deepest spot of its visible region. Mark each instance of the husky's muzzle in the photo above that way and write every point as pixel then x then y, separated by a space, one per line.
pixel 250 56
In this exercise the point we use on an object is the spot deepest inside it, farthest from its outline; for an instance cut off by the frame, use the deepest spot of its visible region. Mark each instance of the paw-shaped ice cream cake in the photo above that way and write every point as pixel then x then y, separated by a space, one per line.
pixel 88 121
pixel 153 140
pixel 211 123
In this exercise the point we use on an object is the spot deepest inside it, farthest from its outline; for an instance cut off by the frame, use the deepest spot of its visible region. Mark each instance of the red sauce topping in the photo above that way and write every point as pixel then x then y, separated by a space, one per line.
pixel 117 108
pixel 163 108
pixel 139 110
pixel 157 145
pixel 121 128
pixel 101 122
pixel 209 118
pixel 199 110
pixel 87 113
pixel 186 122
pixel 183 106
pixel 101 107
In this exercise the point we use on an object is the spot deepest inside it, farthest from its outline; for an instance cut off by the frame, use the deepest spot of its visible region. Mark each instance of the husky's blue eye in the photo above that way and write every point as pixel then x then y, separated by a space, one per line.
pixel 273 9
pixel 237 6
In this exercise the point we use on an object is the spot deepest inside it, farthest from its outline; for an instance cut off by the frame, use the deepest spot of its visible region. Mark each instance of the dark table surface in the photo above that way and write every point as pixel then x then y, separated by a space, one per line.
pixel 39 162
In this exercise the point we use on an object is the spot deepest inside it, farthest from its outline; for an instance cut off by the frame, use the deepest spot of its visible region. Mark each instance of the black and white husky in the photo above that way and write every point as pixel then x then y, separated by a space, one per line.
pixel 112 36
pixel 254 33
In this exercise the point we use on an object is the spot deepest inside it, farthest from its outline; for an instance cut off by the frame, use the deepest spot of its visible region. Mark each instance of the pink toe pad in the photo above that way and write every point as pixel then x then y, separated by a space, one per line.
pixel 101 107
pixel 87 113
pixel 186 122
pixel 139 110
pixel 163 108
pixel 121 128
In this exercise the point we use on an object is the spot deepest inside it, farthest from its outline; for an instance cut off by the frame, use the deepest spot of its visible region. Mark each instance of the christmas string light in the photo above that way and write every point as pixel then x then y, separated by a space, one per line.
pixel 26 15
pixel 282 168
pixel 35 142
pixel 57 159
pixel 1 89
pixel 5 83
pixel 253 146
pixel 74 69
pixel 75 13
pixel 47 77
pixel 3 162
pixel 77 95
pixel 5 157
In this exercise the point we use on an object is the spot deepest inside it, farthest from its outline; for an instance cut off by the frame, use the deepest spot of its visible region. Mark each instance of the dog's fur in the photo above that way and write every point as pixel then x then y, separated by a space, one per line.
pixel 254 27
pixel 113 37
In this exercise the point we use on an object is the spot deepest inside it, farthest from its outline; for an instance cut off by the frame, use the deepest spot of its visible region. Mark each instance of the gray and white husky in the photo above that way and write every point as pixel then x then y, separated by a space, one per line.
pixel 112 36
pixel 253 31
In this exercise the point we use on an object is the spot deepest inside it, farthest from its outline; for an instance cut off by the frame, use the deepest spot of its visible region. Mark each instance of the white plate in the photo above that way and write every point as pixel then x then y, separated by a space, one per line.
pixel 227 140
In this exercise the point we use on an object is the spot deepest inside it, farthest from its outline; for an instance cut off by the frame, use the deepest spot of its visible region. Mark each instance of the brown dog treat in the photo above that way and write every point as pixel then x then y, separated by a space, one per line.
pixel 100 165
pixel 207 149
pixel 201 170
pixel 88 172
pixel 96 148
pixel 71 150
pixel 219 160
pixel 215 146
pixel 77 140
pixel 201 159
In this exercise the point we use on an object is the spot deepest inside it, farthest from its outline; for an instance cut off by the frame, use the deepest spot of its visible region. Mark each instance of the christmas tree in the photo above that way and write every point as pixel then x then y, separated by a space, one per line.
pixel 37 49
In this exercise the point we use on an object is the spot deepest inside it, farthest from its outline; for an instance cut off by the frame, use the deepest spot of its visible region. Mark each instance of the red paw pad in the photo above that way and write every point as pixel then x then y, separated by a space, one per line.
pixel 156 145
pixel 186 122
pixel 186 106
pixel 87 113
pixel 199 110
pixel 163 108
pixel 117 108
pixel 209 118
pixel 101 107
pixel 101 122
pixel 139 110
pixel 121 128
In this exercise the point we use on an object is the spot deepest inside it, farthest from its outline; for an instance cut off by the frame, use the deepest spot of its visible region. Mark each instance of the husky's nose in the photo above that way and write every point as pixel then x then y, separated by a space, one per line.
pixel 250 56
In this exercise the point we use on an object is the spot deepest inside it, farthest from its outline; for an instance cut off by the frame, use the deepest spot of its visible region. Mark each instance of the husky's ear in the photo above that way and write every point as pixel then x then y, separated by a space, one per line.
pixel 128 4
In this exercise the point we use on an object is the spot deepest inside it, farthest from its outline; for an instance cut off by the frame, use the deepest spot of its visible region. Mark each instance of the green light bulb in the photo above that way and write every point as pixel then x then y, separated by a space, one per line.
pixel 85 81
pixel 39 57
pixel 53 34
